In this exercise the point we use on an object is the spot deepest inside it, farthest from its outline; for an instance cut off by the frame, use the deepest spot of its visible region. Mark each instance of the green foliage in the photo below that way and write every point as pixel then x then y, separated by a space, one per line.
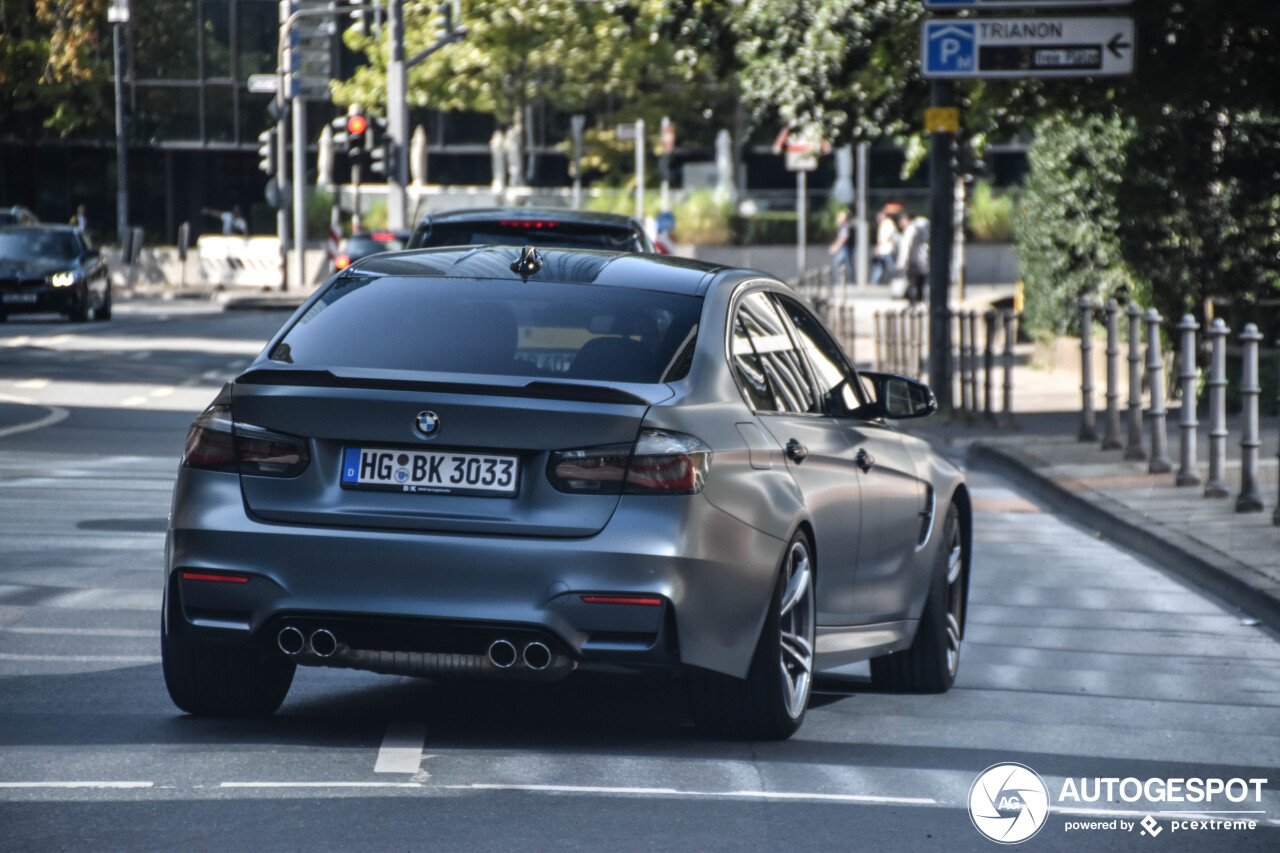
pixel 51 65
pixel 1066 230
pixel 701 218
pixel 319 210
pixel 990 216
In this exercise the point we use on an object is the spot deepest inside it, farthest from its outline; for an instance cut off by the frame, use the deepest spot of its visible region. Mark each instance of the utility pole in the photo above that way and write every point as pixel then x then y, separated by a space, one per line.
pixel 397 118
pixel 941 121
pixel 118 15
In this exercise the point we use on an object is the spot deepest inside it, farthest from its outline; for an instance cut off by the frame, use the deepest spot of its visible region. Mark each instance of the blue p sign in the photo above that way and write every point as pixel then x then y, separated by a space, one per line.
pixel 951 48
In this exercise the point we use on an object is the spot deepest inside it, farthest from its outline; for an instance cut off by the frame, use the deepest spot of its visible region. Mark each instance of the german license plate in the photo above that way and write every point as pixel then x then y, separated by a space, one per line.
pixel 437 472
pixel 20 297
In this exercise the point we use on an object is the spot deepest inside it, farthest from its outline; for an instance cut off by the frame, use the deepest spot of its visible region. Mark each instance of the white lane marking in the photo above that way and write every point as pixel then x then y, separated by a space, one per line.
pixel 133 401
pixel 84 658
pixel 34 384
pixel 673 792
pixel 19 341
pixel 401 750
pixel 77 784
pixel 321 785
pixel 57 414
pixel 162 392
pixel 81 632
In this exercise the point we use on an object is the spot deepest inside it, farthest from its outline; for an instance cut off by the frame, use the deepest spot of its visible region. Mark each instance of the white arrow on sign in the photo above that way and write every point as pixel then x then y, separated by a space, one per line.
pixel 263 84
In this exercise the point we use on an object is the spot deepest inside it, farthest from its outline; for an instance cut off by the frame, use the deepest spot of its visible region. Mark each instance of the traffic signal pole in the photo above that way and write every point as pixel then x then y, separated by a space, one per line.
pixel 397 164
pixel 300 189
pixel 942 96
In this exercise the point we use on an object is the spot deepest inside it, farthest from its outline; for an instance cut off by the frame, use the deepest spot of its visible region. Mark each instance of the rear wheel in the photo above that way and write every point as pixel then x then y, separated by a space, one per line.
pixel 222 680
pixel 769 704
pixel 931 662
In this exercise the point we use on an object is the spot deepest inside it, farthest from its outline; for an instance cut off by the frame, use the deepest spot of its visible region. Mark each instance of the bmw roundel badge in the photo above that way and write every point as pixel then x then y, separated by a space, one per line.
pixel 427 424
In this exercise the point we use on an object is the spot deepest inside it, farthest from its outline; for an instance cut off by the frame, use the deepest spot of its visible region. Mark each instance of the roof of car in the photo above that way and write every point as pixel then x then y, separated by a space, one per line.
pixel 40 226
pixel 473 214
pixel 575 266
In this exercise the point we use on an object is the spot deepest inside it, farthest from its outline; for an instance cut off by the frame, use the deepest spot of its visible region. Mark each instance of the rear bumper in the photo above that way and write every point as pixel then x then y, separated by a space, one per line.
pixel 449 593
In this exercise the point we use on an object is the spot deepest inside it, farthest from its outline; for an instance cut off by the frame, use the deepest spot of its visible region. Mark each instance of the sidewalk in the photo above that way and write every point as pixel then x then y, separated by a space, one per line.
pixel 1235 556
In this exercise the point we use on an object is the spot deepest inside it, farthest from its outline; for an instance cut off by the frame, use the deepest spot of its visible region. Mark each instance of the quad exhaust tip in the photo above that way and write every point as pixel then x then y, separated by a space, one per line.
pixel 323 643
pixel 502 654
pixel 537 656
pixel 291 641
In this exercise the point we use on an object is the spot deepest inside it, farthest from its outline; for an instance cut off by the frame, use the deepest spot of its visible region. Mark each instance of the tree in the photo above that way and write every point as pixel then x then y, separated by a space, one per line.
pixel 50 64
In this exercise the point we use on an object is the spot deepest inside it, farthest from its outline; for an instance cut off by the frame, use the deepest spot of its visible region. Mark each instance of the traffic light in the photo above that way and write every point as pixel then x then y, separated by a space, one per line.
pixel 357 129
pixel 267 152
pixel 381 148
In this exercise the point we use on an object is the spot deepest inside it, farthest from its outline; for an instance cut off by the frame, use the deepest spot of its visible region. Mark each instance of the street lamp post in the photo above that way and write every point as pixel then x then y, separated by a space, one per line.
pixel 118 15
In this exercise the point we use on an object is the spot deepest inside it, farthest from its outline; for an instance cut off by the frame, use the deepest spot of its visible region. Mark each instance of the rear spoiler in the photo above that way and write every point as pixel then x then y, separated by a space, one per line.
pixel 537 389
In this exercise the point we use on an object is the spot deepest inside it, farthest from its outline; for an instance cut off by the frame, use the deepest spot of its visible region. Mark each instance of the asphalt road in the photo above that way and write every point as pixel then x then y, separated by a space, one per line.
pixel 1081 661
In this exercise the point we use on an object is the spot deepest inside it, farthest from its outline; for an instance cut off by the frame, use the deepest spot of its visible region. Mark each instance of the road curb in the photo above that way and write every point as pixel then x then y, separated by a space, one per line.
pixel 1210 569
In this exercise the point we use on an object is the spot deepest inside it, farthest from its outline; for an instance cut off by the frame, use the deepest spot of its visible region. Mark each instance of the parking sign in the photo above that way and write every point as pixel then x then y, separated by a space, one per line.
pixel 951 47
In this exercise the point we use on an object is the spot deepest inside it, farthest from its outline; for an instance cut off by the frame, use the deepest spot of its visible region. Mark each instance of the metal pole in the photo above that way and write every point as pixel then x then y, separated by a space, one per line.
pixel 122 150
pixel 664 196
pixel 578 122
pixel 1134 450
pixel 941 235
pixel 1187 474
pixel 640 170
pixel 1217 486
pixel 1160 462
pixel 1010 336
pixel 1088 428
pixel 397 117
pixel 988 367
pixel 1275 516
pixel 966 363
pixel 1250 499
pixel 863 259
pixel 879 342
pixel 300 189
pixel 920 319
pixel 972 360
pixel 802 214
pixel 1111 435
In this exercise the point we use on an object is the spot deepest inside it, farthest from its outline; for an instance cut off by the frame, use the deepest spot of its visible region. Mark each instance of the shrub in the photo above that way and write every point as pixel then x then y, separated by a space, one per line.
pixel 990 216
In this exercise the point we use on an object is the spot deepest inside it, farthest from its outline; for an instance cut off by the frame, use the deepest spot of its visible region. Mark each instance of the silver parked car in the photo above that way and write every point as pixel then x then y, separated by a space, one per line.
pixel 495 463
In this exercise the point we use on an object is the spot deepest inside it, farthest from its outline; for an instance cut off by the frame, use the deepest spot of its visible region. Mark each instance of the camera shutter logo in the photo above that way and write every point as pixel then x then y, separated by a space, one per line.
pixel 1008 803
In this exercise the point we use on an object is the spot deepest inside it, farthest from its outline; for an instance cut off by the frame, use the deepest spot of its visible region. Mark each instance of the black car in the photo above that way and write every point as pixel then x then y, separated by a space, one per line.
pixel 52 268
pixel 364 243
pixel 528 226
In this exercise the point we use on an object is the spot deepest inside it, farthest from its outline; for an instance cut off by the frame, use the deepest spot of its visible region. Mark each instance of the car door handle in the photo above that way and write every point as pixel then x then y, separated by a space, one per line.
pixel 796 450
pixel 864 460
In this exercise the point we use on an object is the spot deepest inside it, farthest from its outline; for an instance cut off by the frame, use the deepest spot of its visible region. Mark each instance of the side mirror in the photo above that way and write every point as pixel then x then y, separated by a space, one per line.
pixel 900 398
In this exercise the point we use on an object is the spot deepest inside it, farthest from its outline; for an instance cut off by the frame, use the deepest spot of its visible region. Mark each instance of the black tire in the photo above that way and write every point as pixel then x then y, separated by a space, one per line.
pixel 103 311
pixel 213 679
pixel 930 664
pixel 79 312
pixel 767 705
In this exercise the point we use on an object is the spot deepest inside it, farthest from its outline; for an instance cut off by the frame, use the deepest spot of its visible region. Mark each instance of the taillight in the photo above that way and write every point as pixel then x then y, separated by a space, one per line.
pixel 659 463
pixel 342 261
pixel 215 443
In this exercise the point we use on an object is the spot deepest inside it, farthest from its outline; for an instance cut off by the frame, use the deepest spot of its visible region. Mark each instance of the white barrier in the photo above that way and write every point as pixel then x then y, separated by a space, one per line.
pixel 239 261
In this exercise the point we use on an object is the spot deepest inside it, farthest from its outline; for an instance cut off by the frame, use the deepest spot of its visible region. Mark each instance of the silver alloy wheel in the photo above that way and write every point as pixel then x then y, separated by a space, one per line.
pixel 955 599
pixel 795 628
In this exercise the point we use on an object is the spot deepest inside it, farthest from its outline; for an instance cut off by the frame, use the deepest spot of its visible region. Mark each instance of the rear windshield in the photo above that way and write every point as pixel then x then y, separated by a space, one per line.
pixel 536 329
pixel 529 232
pixel 368 244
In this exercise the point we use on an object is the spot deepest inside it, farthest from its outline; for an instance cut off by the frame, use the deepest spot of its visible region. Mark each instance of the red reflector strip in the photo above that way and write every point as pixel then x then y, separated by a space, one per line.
pixel 204 576
pixel 622 599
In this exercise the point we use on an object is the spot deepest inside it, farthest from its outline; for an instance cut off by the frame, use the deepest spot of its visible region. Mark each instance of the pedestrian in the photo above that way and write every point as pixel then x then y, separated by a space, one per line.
pixel 80 219
pixel 841 249
pixel 885 263
pixel 913 255
pixel 232 220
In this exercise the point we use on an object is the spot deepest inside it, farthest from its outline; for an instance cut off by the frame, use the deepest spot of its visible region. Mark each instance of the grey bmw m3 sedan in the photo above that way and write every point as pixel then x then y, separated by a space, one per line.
pixel 496 462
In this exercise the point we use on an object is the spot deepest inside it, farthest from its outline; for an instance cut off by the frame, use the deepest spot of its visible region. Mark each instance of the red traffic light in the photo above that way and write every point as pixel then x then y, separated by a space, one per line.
pixel 357 124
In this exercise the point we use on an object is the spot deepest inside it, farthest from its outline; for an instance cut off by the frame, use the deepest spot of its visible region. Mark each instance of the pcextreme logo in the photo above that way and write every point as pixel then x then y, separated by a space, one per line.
pixel 1008 803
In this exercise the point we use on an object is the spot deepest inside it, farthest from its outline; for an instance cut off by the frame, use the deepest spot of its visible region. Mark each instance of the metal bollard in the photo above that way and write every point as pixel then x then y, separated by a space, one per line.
pixel 1187 473
pixel 1010 335
pixel 921 331
pixel 1250 499
pixel 1088 427
pixel 1217 487
pixel 972 319
pixel 988 367
pixel 1160 461
pixel 879 341
pixel 1111 432
pixel 904 342
pixel 966 363
pixel 1134 449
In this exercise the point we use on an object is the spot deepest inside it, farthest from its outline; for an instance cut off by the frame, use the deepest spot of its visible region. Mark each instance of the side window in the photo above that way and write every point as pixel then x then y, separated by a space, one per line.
pixel 766 360
pixel 838 385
